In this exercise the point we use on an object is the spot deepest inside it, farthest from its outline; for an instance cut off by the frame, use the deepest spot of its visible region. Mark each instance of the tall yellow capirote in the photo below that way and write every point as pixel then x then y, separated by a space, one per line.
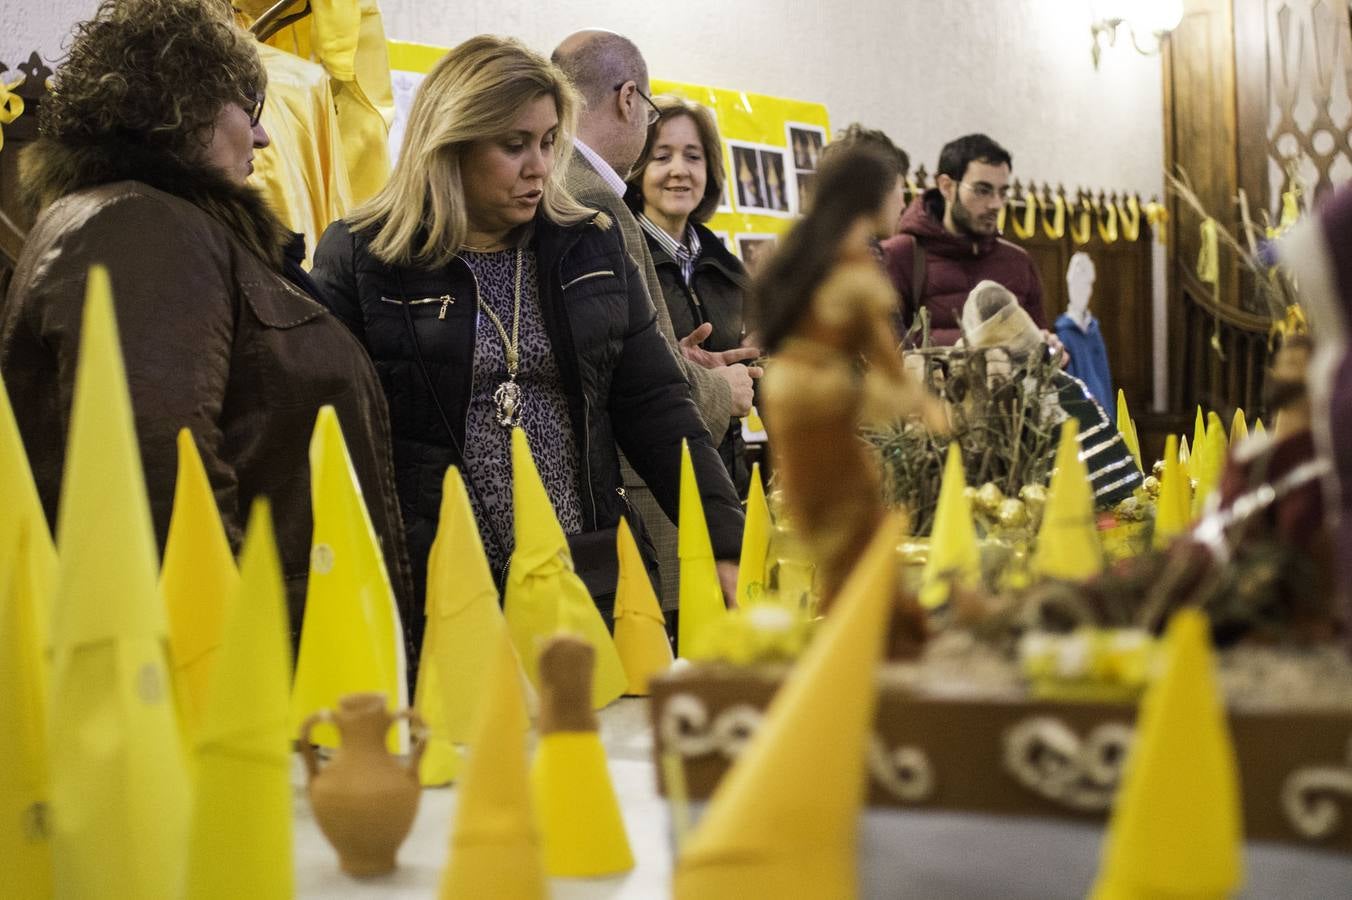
pixel 784 821
pixel 119 782
pixel 351 639
pixel 755 544
pixel 240 842
pixel 640 628
pixel 954 556
pixel 198 580
pixel 701 596
pixel 1068 545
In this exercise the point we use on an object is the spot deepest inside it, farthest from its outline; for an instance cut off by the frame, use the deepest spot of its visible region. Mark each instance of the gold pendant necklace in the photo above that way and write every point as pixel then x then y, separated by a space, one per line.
pixel 507 397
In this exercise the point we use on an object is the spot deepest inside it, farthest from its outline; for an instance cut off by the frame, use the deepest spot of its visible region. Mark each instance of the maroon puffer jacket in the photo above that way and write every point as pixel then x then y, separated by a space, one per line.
pixel 953 266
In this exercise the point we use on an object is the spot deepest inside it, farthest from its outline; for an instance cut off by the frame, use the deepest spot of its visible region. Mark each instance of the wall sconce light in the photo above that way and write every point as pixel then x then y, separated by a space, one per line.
pixel 1155 18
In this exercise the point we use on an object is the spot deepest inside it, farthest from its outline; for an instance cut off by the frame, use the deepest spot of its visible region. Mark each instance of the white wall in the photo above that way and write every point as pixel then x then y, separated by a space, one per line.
pixel 923 70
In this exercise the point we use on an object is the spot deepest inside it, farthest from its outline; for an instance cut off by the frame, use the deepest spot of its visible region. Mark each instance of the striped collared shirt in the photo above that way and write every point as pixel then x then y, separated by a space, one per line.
pixel 685 255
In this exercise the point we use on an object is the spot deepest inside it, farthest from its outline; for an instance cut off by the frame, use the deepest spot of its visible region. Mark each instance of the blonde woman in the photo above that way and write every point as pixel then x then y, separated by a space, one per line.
pixel 489 298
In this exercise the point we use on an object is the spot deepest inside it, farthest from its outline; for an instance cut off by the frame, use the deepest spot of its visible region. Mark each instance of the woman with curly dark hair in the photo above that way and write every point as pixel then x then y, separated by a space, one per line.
pixel 146 142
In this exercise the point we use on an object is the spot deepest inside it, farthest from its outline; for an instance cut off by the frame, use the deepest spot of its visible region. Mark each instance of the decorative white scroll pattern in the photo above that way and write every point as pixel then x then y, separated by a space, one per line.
pixel 1310 810
pixel 1046 756
pixel 905 772
pixel 685 727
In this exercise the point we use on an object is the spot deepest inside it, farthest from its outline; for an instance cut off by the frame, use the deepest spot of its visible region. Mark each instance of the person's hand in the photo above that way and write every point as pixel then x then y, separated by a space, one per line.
pixel 1058 349
pixel 691 350
pixel 727 580
pixel 741 382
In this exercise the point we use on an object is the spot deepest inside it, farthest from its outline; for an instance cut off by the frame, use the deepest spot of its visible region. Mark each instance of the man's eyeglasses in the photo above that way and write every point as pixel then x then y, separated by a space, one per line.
pixel 653 112
pixel 254 107
pixel 984 191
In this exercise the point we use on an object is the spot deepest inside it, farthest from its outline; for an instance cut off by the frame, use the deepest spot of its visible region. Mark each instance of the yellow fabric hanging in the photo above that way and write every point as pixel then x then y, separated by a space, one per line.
pixel 1177 825
pixel 240 842
pixel 1209 258
pixel 640 628
pixel 302 172
pixel 954 555
pixel 1057 229
pixel 198 580
pixel 1107 233
pixel 1082 224
pixel 464 624
pixel 351 639
pixel 24 786
pixel 701 595
pixel 1157 214
pixel 1028 227
pixel 784 821
pixel 755 543
pixel 1130 218
pixel 11 105
pixel 119 783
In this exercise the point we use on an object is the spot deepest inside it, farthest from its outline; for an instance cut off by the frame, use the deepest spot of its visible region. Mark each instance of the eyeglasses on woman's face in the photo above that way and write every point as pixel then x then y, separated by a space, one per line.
pixel 653 112
pixel 254 107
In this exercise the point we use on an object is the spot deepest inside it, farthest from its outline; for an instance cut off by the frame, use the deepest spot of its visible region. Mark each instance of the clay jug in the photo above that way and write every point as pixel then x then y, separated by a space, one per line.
pixel 364 799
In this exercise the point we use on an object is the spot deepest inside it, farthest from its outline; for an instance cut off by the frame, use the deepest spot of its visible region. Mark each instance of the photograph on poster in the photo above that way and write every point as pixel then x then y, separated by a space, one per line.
pixel 746 173
pixel 755 249
pixel 762 178
pixel 806 142
pixel 804 182
pixel 776 185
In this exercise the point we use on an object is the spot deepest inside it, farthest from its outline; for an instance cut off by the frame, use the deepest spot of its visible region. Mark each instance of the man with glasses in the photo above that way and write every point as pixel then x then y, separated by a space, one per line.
pixel 949 242
pixel 610 73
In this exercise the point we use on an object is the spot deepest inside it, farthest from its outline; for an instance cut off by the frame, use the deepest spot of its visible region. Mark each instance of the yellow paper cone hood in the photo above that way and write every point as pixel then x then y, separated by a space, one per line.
pixel 640 629
pixel 351 640
pixel 197 580
pixel 1172 509
pixel 701 595
pixel 1068 544
pixel 464 627
pixel 954 554
pixel 1176 828
pixel 1127 428
pixel 240 842
pixel 544 594
pixel 495 850
pixel 1209 465
pixel 119 785
pixel 24 793
pixel 784 820
pixel 1198 432
pixel 755 544
pixel 1239 428
pixel 24 509
pixel 579 814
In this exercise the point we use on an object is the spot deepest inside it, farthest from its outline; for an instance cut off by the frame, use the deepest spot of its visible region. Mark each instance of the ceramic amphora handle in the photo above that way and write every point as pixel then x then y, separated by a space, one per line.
pixel 307 749
pixel 417 733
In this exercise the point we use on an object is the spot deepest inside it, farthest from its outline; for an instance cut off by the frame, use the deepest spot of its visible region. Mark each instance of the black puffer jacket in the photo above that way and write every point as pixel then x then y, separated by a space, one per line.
pixel 718 288
pixel 621 380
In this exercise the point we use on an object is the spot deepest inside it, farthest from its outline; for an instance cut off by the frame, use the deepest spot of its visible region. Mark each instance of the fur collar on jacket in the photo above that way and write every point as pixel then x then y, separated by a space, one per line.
pixel 52 170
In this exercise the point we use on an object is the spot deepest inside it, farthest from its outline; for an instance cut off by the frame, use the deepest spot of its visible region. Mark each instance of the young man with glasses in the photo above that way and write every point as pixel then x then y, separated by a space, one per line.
pixel 949 241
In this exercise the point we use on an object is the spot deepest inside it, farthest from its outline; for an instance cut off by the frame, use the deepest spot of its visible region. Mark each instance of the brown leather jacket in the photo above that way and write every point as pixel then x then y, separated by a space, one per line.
pixel 215 340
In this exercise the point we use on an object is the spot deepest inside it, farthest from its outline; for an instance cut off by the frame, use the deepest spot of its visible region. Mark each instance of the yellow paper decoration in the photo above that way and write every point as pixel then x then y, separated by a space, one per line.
pixel 1239 427
pixel 1209 466
pixel 1108 232
pixel 640 629
pixel 1057 229
pixel 24 846
pixel 578 812
pixel 1157 214
pixel 351 640
pixel 784 821
pixel 1172 509
pixel 495 850
pixel 954 554
pixel 1176 829
pixel 240 842
pixel 543 592
pixel 1068 545
pixel 464 624
pixel 1082 224
pixel 11 105
pixel 1208 257
pixel 1130 218
pixel 198 579
pixel 1127 428
pixel 1028 227
pixel 754 422
pixel 701 595
pixel 23 511
pixel 1198 433
pixel 1259 427
pixel 755 543
pixel 119 785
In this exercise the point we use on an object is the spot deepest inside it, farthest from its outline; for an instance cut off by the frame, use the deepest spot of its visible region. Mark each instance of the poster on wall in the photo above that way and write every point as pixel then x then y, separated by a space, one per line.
pixel 771 149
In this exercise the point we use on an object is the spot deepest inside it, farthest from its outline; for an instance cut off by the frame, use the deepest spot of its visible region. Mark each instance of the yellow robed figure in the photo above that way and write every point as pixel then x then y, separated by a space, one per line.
pixel 27 854
pixel 352 639
pixel 1176 828
pixel 701 594
pixel 1068 545
pixel 495 848
pixel 784 821
pixel 464 625
pixel 23 509
pixel 755 544
pixel 119 784
pixel 240 841
pixel 954 556
pixel 1208 465
pixel 1126 427
pixel 1239 427
pixel 1173 508
pixel 198 579
pixel 640 628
